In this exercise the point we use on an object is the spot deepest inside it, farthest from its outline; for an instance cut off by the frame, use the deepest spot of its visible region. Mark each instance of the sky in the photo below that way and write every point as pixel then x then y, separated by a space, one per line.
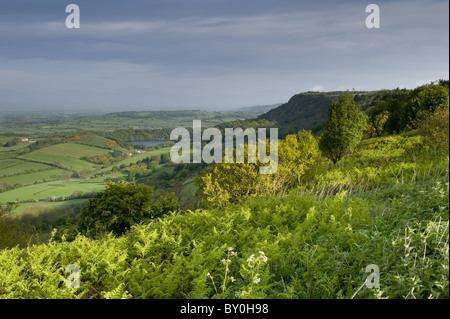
pixel 212 54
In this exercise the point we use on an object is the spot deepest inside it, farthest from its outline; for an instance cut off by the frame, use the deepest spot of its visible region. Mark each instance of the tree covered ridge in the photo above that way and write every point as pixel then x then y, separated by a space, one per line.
pixel 309 110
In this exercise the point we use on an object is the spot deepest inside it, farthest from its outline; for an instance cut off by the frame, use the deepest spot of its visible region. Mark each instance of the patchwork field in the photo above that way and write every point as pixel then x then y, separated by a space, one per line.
pixel 60 160
pixel 72 150
pixel 31 178
pixel 56 189
pixel 10 167
pixel 93 140
pixel 44 175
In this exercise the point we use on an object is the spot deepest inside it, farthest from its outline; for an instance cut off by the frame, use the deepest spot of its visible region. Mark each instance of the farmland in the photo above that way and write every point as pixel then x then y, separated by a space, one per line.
pixel 64 170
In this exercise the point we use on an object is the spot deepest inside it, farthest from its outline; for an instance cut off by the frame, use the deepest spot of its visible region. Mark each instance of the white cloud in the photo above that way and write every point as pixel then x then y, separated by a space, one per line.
pixel 317 88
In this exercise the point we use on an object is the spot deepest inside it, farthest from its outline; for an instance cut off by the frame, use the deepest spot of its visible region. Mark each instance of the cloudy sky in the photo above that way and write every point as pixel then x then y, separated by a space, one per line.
pixel 212 54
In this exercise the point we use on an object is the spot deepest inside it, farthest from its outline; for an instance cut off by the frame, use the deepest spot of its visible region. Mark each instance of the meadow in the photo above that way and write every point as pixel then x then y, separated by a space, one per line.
pixel 56 189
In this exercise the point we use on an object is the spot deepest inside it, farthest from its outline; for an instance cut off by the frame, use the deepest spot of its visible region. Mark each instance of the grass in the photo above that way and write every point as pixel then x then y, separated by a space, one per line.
pixel 35 177
pixel 44 205
pixel 66 155
pixel 15 167
pixel 93 140
pixel 55 159
pixel 139 157
pixel 72 150
pixel 16 147
pixel 56 188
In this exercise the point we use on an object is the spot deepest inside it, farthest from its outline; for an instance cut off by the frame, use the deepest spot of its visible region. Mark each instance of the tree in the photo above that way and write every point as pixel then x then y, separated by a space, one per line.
pixel 13 232
pixel 230 182
pixel 167 203
pixel 344 128
pixel 434 128
pixel 119 207
pixel 296 153
pixel 426 99
pixel 376 124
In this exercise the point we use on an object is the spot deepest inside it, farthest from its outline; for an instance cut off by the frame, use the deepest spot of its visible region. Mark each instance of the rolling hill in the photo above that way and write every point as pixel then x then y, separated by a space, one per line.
pixel 309 110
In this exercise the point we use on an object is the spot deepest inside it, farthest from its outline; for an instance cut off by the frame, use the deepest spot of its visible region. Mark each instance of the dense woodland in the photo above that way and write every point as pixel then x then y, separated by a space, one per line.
pixel 362 180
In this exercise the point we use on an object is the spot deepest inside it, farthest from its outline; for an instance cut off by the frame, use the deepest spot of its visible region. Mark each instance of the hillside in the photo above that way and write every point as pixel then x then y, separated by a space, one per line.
pixel 308 110
pixel 385 209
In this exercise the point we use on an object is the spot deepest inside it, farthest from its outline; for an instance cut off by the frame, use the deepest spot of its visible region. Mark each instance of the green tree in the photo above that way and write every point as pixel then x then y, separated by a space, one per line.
pixel 230 182
pixel 167 203
pixel 13 232
pixel 119 207
pixel 376 124
pixel 344 128
pixel 426 99
pixel 296 153
pixel 434 128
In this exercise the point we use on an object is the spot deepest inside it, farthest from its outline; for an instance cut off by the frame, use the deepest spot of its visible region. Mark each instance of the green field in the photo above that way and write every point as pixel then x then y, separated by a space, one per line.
pixel 93 140
pixel 11 167
pixel 42 205
pixel 30 178
pixel 64 161
pixel 139 157
pixel 17 147
pixel 56 188
pixel 72 150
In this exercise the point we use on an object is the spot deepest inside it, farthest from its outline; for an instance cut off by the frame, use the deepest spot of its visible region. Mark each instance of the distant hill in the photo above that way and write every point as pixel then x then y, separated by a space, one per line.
pixel 309 110
pixel 258 109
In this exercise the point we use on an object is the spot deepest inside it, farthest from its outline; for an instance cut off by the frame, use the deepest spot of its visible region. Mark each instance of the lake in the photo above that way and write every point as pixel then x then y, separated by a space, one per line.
pixel 148 143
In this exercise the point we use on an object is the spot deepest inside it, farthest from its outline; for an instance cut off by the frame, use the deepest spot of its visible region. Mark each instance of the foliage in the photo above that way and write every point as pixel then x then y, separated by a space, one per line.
pixel 120 206
pixel 292 247
pixel 434 128
pixel 231 182
pixel 425 99
pixel 377 123
pixel 13 233
pixel 344 128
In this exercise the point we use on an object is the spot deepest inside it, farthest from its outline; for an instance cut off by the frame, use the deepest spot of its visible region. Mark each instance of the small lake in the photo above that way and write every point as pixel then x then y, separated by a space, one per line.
pixel 147 143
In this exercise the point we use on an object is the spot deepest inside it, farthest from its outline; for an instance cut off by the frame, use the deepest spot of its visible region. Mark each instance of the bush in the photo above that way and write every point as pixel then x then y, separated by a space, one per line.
pixel 119 207
pixel 434 128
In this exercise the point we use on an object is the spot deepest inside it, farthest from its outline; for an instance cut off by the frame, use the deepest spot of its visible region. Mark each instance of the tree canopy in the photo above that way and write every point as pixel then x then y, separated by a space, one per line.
pixel 120 206
pixel 344 128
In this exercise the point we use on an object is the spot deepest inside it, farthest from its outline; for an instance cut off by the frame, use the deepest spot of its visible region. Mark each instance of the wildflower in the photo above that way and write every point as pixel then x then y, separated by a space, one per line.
pixel 232 279
pixel 257 279
pixel 251 258
pixel 230 248
pixel 225 261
